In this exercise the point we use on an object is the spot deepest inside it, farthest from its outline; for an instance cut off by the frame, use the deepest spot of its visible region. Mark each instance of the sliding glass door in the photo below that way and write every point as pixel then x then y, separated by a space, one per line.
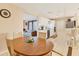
pixel 32 25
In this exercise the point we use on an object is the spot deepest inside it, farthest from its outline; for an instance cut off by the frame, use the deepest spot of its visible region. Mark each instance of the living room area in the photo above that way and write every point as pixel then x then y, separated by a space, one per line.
pixel 29 29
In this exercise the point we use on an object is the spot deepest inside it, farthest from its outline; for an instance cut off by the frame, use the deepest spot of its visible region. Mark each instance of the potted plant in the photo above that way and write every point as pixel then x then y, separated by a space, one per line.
pixel 30 42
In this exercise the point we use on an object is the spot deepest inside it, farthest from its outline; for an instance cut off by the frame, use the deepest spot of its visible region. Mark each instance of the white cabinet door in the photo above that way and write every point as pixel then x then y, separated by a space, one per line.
pixel 60 24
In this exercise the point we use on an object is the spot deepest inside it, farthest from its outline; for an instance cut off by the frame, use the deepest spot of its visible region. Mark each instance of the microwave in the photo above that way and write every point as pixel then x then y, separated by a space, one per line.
pixel 70 24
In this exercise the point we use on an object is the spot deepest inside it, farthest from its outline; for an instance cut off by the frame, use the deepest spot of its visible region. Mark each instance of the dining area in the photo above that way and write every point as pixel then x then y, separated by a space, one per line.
pixel 27 46
pixel 28 32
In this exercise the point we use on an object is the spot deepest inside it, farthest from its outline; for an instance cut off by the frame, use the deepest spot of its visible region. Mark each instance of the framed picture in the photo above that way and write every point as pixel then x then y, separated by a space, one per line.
pixel 5 13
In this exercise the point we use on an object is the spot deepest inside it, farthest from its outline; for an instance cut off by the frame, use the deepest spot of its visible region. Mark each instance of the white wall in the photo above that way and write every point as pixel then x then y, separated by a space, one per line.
pixel 62 31
pixel 43 21
pixel 15 22
pixel 10 25
pixel 60 24
pixel 29 17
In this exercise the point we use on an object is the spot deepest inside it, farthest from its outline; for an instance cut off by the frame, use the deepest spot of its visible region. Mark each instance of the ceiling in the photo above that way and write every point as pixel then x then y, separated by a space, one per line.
pixel 50 10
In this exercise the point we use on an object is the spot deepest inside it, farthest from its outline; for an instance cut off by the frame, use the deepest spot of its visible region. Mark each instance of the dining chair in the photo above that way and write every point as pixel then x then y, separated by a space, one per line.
pixel 69 52
pixel 9 39
pixel 10 47
pixel 72 42
pixel 42 38
pixel 42 35
pixel 3 45
pixel 68 49
pixel 17 35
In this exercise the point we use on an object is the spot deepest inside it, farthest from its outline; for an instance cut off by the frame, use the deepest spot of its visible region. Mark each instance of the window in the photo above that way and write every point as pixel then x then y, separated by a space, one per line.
pixel 51 24
pixel 32 25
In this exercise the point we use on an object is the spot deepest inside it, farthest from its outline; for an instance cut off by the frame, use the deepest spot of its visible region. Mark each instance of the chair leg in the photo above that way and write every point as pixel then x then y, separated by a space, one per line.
pixel 48 54
pixel 17 54
pixel 57 52
pixel 69 51
pixel 10 51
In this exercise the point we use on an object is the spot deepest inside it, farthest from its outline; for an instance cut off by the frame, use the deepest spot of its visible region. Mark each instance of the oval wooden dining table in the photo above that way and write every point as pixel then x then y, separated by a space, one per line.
pixel 40 48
